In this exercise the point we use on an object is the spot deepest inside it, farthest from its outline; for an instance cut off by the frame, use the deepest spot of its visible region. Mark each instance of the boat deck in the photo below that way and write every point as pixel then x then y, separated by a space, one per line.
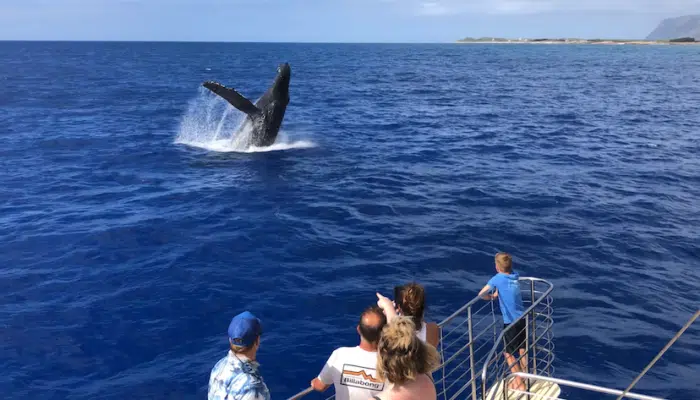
pixel 538 390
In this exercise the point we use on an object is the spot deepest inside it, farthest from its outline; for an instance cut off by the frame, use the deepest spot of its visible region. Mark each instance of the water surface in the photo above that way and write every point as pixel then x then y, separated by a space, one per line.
pixel 125 252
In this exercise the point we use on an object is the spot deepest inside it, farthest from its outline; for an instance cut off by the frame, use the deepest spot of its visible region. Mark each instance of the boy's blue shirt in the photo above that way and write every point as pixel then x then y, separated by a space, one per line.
pixel 509 297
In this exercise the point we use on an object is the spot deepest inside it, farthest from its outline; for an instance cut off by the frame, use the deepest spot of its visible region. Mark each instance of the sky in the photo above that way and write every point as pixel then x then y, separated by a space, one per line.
pixel 332 20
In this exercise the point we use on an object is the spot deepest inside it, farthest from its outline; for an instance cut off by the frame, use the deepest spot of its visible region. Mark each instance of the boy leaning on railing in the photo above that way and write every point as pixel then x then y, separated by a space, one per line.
pixel 504 286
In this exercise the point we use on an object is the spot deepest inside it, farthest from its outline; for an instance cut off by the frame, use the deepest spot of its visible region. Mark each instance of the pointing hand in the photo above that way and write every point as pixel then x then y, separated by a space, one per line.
pixel 387 306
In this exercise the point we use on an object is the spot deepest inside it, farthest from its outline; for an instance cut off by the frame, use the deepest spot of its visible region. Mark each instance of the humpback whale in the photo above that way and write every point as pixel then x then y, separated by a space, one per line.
pixel 266 115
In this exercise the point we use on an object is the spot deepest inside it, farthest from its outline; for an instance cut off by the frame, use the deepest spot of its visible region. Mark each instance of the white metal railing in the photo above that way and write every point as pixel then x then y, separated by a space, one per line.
pixel 303 393
pixel 539 344
pixel 470 340
pixel 571 384
pixel 550 388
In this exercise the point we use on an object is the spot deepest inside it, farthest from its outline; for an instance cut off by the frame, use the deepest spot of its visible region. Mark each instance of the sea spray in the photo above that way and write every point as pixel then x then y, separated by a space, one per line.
pixel 208 119
pixel 212 124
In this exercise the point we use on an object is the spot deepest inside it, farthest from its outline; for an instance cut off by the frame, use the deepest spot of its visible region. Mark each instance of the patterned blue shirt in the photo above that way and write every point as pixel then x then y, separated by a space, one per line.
pixel 237 378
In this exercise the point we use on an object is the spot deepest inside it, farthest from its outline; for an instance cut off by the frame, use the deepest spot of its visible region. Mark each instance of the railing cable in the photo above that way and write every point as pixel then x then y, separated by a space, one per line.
pixel 661 353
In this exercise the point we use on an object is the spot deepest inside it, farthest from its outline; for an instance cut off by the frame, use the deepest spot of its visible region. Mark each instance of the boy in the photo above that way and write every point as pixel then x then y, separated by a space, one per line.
pixel 507 290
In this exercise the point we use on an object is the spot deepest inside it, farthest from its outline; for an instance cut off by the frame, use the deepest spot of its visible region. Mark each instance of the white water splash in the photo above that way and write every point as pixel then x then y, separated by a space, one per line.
pixel 211 123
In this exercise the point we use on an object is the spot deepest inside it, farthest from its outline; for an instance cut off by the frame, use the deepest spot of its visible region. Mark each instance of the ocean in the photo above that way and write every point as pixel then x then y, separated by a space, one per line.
pixel 132 228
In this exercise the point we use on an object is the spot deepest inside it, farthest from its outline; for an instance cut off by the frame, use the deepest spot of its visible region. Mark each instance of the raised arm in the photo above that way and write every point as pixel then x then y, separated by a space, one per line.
pixel 387 306
pixel 487 296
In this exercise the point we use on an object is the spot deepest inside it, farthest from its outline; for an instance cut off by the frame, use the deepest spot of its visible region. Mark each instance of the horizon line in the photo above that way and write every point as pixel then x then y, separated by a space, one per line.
pixel 215 41
pixel 455 41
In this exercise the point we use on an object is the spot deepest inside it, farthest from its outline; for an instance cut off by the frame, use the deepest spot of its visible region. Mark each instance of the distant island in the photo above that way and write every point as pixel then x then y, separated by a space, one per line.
pixel 677 41
pixel 687 26
pixel 679 31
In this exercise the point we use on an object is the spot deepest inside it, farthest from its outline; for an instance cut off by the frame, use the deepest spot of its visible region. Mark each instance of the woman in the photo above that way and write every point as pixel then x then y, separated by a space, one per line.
pixel 404 362
pixel 410 301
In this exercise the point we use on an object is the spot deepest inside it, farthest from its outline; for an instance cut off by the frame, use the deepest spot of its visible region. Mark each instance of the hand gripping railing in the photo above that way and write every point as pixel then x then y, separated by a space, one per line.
pixel 469 336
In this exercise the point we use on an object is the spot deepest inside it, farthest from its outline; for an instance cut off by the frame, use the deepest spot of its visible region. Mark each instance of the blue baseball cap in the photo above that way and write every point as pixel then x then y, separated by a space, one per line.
pixel 244 329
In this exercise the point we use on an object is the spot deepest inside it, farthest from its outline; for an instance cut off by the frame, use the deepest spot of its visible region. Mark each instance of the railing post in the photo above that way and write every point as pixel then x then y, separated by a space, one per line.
pixel 495 343
pixel 442 361
pixel 528 346
pixel 534 329
pixel 493 316
pixel 471 351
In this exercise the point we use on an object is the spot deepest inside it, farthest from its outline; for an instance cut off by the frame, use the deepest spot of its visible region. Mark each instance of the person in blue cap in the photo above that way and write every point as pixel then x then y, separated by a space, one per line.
pixel 236 376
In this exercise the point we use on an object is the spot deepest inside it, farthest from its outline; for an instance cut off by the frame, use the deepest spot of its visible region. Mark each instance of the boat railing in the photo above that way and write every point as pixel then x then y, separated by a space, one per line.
pixel 537 355
pixel 304 393
pixel 533 380
pixel 471 345
pixel 539 387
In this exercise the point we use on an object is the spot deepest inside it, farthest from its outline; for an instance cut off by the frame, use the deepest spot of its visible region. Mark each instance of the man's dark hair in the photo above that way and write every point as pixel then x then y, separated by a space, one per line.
pixel 371 333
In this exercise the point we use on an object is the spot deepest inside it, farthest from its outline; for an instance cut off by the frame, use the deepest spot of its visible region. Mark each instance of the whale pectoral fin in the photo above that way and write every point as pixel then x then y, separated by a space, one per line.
pixel 233 97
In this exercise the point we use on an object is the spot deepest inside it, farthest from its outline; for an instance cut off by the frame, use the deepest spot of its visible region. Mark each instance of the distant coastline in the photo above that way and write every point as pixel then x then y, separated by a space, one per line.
pixel 679 41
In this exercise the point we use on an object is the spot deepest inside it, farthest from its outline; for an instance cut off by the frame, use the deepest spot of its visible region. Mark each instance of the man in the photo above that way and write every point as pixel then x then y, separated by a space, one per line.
pixel 352 370
pixel 236 376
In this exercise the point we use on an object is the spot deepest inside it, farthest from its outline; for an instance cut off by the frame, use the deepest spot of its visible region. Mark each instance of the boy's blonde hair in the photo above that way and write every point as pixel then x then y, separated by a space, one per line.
pixel 401 356
pixel 504 262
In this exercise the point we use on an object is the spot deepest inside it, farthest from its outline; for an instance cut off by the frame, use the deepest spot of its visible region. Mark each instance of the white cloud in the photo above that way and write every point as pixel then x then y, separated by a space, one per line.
pixel 522 6
pixel 451 7
pixel 433 8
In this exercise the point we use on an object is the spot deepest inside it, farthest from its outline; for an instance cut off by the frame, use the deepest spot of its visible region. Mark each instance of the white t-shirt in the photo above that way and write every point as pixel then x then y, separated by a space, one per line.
pixel 422 332
pixel 353 373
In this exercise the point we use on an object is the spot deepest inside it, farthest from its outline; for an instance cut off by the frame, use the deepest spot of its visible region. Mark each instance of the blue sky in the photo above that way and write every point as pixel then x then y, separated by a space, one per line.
pixel 331 20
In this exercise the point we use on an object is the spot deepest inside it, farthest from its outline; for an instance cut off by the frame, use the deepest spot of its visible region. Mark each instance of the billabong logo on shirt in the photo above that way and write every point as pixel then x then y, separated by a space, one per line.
pixel 360 377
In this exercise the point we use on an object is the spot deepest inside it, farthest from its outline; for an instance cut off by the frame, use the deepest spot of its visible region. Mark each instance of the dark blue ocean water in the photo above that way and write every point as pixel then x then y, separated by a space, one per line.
pixel 125 252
